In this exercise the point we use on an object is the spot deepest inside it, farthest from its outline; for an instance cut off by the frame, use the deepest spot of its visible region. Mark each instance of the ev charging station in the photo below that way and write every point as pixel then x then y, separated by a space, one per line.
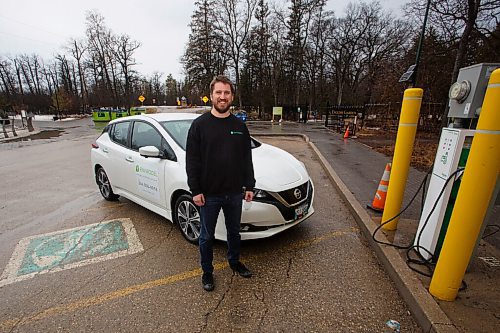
pixel 465 100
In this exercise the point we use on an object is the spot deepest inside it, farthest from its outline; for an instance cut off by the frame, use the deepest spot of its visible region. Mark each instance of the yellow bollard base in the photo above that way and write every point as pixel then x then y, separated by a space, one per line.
pixel 449 294
pixel 390 226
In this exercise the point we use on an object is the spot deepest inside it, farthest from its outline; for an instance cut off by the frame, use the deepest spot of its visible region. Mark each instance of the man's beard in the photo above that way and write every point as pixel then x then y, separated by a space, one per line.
pixel 222 110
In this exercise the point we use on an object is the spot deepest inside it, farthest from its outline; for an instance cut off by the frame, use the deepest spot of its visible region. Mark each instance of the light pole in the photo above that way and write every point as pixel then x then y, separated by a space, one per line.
pixel 419 48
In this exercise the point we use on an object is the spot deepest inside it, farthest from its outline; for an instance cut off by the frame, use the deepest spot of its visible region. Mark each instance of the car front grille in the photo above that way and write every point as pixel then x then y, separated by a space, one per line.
pixel 288 211
pixel 294 196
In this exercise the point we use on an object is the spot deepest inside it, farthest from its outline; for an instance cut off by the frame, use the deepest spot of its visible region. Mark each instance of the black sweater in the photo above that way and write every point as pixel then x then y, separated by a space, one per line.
pixel 218 156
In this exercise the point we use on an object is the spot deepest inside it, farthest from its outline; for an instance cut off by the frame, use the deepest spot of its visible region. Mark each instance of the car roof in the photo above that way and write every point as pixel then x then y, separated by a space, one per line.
pixel 159 117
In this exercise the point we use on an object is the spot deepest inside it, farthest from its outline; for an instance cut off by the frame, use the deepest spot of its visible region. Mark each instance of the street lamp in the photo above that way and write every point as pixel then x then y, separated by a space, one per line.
pixel 411 73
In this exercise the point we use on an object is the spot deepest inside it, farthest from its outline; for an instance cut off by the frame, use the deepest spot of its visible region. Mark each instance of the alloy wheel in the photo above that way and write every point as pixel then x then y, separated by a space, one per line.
pixel 189 221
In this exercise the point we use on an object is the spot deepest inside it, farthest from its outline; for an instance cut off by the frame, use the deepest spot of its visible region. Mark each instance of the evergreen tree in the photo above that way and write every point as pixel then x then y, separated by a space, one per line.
pixel 206 50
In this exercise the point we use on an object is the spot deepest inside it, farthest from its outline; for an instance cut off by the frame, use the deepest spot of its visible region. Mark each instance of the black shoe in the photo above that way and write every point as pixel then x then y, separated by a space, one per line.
pixel 241 270
pixel 207 280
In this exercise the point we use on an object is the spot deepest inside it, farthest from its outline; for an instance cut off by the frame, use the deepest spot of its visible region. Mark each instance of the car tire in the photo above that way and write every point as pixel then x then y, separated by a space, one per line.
pixel 104 185
pixel 187 217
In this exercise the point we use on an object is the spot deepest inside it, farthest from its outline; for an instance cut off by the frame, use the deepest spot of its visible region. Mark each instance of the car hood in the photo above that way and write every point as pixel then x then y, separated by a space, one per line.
pixel 276 169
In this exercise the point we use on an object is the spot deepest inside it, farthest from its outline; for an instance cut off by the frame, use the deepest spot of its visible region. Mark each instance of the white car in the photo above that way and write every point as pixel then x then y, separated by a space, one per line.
pixel 142 158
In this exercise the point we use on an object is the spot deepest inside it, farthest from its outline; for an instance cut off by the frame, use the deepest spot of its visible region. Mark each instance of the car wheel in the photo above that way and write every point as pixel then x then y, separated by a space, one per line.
pixel 187 217
pixel 105 186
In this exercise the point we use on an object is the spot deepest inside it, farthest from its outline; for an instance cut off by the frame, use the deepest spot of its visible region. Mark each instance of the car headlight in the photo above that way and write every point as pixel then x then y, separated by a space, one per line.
pixel 261 194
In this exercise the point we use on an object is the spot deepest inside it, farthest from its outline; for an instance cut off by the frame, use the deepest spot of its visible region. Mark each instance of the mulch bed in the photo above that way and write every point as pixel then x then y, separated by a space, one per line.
pixel 424 149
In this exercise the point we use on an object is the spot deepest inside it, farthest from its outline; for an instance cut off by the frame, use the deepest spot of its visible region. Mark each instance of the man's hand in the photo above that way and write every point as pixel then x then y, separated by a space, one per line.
pixel 199 200
pixel 248 196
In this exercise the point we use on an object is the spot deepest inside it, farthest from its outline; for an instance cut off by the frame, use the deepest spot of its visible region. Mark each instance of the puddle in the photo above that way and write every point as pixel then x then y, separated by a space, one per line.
pixel 44 135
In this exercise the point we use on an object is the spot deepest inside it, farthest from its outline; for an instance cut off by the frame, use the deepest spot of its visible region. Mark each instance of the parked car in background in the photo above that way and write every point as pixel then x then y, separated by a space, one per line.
pixel 242 115
pixel 142 158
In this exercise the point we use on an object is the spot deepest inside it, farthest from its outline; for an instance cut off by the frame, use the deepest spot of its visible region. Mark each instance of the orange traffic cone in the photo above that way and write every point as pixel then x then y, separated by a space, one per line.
pixel 379 199
pixel 346 134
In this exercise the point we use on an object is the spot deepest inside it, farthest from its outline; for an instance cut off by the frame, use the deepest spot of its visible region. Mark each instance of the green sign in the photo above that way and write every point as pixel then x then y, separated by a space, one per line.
pixel 277 111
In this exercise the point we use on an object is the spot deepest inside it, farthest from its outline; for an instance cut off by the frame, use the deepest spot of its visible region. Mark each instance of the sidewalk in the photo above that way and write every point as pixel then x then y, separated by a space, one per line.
pixel 21 133
pixel 356 170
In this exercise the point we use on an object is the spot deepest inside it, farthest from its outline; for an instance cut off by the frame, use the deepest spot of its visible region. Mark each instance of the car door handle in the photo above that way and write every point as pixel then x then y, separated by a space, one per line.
pixel 105 150
pixel 129 159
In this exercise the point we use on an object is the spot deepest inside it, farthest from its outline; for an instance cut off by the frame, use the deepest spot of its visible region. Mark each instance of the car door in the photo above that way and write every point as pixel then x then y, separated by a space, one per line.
pixel 117 151
pixel 148 173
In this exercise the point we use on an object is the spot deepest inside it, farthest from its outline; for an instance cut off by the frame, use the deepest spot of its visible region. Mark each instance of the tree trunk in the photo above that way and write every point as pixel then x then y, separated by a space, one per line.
pixel 464 40
pixel 340 89
pixel 237 69
pixel 473 8
pixel 29 121
pixel 13 128
pixel 5 135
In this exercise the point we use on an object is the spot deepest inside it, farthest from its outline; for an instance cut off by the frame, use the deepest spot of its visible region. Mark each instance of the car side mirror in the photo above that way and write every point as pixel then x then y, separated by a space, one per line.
pixel 149 151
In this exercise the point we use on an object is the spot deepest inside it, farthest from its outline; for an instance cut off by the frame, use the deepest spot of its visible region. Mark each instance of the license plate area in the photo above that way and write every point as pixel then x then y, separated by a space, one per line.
pixel 301 211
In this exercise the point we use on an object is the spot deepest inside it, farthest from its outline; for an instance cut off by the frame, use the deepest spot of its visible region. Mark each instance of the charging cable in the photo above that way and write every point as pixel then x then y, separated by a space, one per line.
pixel 417 248
pixel 402 247
pixel 411 247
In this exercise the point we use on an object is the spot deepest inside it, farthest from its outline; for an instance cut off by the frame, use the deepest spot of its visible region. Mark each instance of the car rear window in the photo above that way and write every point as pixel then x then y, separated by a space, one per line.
pixel 119 134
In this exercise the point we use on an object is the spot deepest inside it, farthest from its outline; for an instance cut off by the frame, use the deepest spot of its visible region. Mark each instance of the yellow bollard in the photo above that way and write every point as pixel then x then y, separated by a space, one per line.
pixel 410 111
pixel 478 182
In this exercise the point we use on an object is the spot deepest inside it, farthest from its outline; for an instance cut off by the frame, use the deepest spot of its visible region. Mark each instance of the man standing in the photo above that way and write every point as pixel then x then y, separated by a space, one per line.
pixel 220 174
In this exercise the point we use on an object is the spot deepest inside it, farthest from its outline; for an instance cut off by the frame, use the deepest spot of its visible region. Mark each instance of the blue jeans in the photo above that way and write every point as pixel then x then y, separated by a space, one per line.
pixel 231 207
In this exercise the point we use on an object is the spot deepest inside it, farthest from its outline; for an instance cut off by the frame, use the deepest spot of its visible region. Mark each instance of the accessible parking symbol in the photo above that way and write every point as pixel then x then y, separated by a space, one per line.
pixel 71 248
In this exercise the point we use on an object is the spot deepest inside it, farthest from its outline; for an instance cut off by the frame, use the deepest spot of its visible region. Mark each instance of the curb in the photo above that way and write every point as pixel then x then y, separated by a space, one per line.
pixel 22 134
pixel 303 136
pixel 429 316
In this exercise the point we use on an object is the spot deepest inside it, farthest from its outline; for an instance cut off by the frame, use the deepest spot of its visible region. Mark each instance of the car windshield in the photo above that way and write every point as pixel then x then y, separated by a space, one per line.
pixel 178 130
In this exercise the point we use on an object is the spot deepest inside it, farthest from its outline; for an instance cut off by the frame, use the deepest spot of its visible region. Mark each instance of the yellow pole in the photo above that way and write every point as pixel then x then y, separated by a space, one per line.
pixel 407 130
pixel 478 182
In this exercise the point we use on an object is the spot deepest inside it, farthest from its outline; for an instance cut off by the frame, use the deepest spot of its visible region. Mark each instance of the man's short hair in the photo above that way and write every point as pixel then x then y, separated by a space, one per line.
pixel 223 79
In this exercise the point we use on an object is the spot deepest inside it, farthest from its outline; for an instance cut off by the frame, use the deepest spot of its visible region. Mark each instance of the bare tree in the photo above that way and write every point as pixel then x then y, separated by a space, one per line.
pixel 18 66
pixel 300 17
pixel 99 40
pixel 344 46
pixel 77 48
pixel 276 58
pixel 457 20
pixel 123 50
pixel 7 77
pixel 314 57
pixel 360 42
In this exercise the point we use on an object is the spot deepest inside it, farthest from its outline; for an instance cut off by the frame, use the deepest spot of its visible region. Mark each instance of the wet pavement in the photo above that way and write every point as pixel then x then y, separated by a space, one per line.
pixel 50 131
pixel 322 275
pixel 319 276
pixel 477 308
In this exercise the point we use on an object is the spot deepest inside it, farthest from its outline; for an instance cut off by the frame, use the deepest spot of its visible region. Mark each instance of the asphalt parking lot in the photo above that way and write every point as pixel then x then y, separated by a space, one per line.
pixel 320 276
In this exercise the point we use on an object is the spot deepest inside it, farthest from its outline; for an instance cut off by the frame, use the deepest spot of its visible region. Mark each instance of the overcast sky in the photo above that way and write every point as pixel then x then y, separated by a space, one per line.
pixel 44 26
